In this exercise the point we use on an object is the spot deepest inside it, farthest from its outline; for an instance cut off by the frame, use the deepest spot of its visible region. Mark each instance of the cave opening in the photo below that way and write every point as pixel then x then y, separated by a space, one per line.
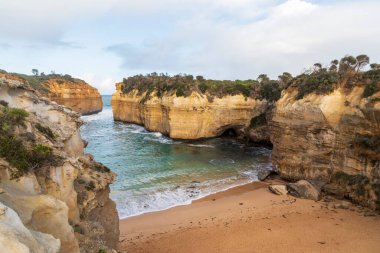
pixel 230 132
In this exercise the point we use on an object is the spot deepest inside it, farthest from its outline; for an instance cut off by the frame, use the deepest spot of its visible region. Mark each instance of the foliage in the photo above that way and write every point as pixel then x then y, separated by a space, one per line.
pixel 320 82
pixel 184 85
pixel 46 131
pixel 17 152
pixel 37 81
pixel 370 89
pixel 13 116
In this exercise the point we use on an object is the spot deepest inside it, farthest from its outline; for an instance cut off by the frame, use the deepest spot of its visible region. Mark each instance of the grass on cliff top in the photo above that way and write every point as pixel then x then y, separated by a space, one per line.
pixel 37 80
pixel 347 73
pixel 184 85
pixel 13 149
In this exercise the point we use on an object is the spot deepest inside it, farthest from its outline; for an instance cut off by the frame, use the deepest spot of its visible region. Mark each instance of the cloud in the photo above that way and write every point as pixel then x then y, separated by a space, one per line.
pixel 291 35
pixel 4 45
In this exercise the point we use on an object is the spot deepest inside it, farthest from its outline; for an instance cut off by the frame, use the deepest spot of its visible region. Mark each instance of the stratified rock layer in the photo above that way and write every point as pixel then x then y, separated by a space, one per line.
pixel 65 200
pixel 193 117
pixel 78 95
pixel 330 138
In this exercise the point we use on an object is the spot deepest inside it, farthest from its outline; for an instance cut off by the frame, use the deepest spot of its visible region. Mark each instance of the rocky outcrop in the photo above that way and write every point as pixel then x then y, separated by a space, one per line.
pixel 76 95
pixel 334 138
pixel 192 117
pixel 60 194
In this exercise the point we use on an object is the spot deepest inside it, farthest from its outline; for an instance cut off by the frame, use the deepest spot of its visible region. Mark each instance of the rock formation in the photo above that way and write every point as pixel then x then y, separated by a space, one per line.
pixel 76 95
pixel 54 198
pixel 331 137
pixel 191 117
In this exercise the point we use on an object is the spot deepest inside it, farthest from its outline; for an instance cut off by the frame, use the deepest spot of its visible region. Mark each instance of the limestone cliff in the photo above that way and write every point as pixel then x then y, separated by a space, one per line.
pixel 191 117
pixel 65 90
pixel 76 95
pixel 333 137
pixel 54 198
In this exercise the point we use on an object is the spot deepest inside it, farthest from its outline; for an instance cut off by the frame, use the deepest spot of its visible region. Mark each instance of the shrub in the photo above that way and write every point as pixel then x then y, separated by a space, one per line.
pixel 13 150
pixel 370 89
pixel 320 82
pixel 270 91
pixel 46 131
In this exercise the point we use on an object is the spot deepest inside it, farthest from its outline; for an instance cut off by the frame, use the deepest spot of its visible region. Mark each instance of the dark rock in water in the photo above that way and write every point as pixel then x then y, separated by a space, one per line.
pixel 195 182
pixel 192 187
pixel 303 189
pixel 278 189
pixel 264 174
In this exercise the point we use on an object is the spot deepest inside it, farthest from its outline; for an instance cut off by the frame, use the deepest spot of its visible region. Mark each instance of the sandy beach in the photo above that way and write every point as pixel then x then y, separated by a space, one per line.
pixel 251 219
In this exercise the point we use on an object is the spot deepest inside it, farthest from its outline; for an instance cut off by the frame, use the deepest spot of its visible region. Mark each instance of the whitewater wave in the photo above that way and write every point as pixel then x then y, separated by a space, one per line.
pixel 202 145
pixel 132 204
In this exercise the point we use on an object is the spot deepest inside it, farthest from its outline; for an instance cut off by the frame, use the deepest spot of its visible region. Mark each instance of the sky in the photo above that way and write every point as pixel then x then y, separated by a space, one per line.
pixel 102 41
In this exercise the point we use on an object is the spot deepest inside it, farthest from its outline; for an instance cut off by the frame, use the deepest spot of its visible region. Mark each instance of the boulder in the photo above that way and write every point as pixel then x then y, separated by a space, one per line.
pixel 303 189
pixel 263 174
pixel 278 189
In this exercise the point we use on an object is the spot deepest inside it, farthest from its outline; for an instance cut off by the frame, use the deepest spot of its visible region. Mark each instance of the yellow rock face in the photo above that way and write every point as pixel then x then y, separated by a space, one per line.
pixel 78 96
pixel 328 137
pixel 191 117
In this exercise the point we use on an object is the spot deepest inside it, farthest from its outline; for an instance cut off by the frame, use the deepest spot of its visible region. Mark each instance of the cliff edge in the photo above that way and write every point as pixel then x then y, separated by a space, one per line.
pixel 53 197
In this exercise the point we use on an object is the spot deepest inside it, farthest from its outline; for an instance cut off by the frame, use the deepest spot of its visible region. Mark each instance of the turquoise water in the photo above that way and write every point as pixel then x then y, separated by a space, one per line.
pixel 156 172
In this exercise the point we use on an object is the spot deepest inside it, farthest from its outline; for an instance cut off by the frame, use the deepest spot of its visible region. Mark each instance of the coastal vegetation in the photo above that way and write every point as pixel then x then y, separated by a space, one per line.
pixel 23 154
pixel 183 85
pixel 37 80
pixel 346 72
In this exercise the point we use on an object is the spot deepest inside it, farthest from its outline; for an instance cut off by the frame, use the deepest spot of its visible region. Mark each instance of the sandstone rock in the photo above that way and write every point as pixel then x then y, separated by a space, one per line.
pixel 46 198
pixel 278 189
pixel 16 238
pixel 322 137
pixel 78 95
pixel 263 174
pixel 303 189
pixel 191 117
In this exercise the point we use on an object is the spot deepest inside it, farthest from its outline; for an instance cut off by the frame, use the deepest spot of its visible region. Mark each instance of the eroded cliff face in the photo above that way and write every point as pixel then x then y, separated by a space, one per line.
pixel 78 96
pixel 333 138
pixel 62 204
pixel 192 117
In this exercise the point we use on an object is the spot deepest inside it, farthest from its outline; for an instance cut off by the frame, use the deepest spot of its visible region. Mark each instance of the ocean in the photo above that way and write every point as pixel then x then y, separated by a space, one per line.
pixel 156 172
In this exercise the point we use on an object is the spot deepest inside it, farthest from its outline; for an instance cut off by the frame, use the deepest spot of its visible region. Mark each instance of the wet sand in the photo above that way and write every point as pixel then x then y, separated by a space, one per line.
pixel 251 219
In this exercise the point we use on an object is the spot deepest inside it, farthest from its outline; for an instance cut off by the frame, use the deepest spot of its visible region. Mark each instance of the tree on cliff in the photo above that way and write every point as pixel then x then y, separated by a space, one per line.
pixel 362 61
pixel 35 72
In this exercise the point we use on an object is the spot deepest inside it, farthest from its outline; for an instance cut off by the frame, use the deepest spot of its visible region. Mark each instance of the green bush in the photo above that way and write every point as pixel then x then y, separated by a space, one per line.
pixel 15 115
pixel 46 131
pixel 321 82
pixel 13 150
pixel 370 89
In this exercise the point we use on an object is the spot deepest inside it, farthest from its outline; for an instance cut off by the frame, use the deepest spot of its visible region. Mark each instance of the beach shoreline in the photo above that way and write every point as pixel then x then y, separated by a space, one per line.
pixel 249 218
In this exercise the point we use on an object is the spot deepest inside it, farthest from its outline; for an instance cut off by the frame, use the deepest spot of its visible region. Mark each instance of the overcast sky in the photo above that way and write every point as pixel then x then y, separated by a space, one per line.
pixel 102 41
